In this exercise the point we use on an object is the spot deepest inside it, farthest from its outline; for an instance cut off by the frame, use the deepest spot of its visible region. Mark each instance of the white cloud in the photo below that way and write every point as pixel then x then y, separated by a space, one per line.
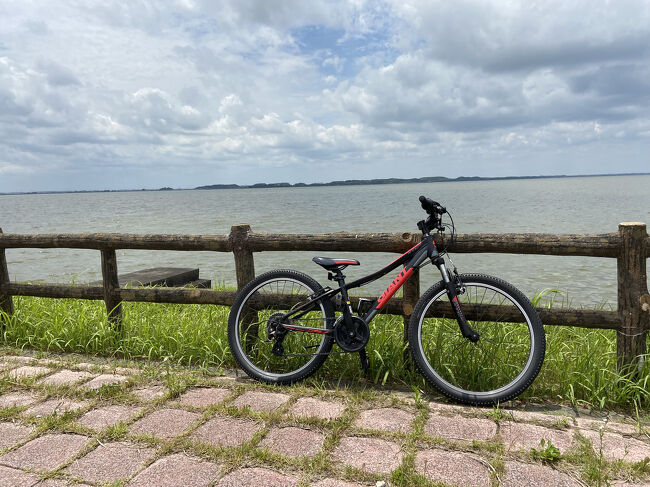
pixel 186 89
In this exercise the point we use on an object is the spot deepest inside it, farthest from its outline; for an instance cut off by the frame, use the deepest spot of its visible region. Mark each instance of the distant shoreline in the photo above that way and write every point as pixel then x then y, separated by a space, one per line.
pixel 347 182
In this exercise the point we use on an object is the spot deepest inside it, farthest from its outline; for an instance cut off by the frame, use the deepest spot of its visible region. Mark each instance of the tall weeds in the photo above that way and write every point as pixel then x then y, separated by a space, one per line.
pixel 580 364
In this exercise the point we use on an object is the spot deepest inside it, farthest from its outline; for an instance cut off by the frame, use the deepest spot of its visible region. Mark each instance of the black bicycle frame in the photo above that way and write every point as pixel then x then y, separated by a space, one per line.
pixel 412 259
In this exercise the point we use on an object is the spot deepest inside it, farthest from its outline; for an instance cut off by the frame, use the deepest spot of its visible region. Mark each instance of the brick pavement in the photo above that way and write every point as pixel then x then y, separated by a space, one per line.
pixel 95 425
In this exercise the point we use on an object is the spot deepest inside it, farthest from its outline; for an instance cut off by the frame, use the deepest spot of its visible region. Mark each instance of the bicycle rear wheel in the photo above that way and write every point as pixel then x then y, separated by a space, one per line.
pixel 261 346
pixel 501 364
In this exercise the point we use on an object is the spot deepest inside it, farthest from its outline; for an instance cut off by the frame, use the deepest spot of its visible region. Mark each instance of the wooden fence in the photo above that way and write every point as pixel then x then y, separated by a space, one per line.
pixel 630 247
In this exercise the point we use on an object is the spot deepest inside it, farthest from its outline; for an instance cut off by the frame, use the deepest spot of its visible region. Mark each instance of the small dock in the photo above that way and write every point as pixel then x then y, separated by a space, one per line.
pixel 162 276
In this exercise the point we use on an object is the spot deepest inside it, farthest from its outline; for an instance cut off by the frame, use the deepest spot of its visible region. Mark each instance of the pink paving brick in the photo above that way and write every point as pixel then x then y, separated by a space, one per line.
pixel 261 401
pixel 55 405
pixel 335 483
pixel 452 468
pixel 616 447
pixel 177 470
pixel 518 435
pixel 17 399
pixel 204 396
pixel 105 380
pixel 28 371
pixel 369 454
pixel 16 478
pixel 293 442
pixel 525 475
pixel 150 393
pixel 59 483
pixel 220 431
pixel 595 424
pixel 103 417
pixel 164 423
pixel 66 377
pixel 13 433
pixel 309 407
pixel 254 477
pixel 46 452
pixel 460 428
pixel 392 420
pixel 537 417
pixel 110 462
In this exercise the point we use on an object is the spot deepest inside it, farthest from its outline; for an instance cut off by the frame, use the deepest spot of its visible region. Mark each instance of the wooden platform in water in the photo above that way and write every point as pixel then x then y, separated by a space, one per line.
pixel 162 276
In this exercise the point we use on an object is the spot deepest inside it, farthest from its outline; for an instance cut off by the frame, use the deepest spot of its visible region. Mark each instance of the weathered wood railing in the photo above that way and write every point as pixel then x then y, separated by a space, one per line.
pixel 630 247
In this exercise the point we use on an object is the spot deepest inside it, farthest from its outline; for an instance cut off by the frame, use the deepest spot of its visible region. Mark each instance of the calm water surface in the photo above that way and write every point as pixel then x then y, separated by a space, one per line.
pixel 572 205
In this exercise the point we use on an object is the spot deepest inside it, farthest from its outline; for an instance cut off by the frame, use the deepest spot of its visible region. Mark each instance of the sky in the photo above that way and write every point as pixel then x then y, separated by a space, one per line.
pixel 138 94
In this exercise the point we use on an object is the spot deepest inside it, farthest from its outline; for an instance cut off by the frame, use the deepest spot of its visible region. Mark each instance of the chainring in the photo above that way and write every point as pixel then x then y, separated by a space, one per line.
pixel 356 339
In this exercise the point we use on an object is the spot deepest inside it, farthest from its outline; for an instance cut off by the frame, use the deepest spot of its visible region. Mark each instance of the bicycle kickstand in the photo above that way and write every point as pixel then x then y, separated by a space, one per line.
pixel 363 356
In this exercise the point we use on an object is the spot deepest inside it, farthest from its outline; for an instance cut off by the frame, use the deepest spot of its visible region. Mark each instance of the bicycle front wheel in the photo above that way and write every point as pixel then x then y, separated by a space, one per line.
pixel 261 345
pixel 501 364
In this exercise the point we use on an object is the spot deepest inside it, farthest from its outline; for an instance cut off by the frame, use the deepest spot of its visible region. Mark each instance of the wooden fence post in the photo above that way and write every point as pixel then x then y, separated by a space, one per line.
pixel 245 271
pixel 244 262
pixel 111 288
pixel 632 285
pixel 411 296
pixel 6 301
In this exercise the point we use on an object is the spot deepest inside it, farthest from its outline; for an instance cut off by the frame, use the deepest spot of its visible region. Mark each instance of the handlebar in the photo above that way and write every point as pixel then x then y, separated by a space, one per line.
pixel 435 211
pixel 431 206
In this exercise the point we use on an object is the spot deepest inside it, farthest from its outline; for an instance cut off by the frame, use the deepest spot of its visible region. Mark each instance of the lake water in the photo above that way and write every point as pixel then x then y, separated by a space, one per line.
pixel 571 205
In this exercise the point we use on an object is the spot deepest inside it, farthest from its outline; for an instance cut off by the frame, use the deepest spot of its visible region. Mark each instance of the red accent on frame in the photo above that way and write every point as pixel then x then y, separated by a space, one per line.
pixel 320 331
pixel 394 286
pixel 416 245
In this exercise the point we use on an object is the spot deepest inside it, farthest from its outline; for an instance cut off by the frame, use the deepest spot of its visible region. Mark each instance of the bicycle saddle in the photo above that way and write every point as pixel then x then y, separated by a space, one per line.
pixel 330 263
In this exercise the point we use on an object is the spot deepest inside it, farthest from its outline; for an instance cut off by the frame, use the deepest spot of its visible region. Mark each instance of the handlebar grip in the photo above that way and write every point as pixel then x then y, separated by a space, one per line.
pixel 431 206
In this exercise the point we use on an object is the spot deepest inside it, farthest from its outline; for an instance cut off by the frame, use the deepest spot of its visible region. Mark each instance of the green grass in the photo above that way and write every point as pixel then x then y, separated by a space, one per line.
pixel 579 368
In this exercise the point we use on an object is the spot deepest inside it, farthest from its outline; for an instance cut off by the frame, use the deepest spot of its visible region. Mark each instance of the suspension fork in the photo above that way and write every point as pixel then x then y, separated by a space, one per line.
pixel 465 329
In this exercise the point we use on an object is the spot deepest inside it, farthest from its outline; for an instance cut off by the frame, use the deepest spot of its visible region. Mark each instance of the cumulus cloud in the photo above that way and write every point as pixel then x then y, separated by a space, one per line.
pixel 185 90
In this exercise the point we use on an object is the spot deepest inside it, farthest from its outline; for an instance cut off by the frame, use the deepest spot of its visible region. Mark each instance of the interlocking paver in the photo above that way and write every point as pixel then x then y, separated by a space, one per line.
pixel 164 423
pixel 452 468
pixel 59 483
pixel 28 371
pixel 110 462
pixel 460 428
pixel 17 399
pixel 335 483
pixel 150 393
pixel 45 452
pixel 526 436
pixel 617 447
pixel 596 424
pixel 13 433
pixel 293 442
pixel 309 407
pixel 204 396
pixel 525 475
pixel 254 477
pixel 18 359
pixel 261 401
pixel 175 471
pixel 536 417
pixel 105 380
pixel 220 431
pixel 370 454
pixel 56 405
pixel 66 377
pixel 103 417
pixel 393 420
pixel 16 478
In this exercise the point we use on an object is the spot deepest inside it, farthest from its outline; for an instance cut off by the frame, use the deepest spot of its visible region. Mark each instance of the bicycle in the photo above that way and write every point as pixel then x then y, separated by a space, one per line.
pixel 475 338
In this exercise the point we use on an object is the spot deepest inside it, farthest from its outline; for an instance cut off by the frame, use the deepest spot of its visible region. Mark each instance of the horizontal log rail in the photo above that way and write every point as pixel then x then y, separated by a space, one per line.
pixel 630 246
